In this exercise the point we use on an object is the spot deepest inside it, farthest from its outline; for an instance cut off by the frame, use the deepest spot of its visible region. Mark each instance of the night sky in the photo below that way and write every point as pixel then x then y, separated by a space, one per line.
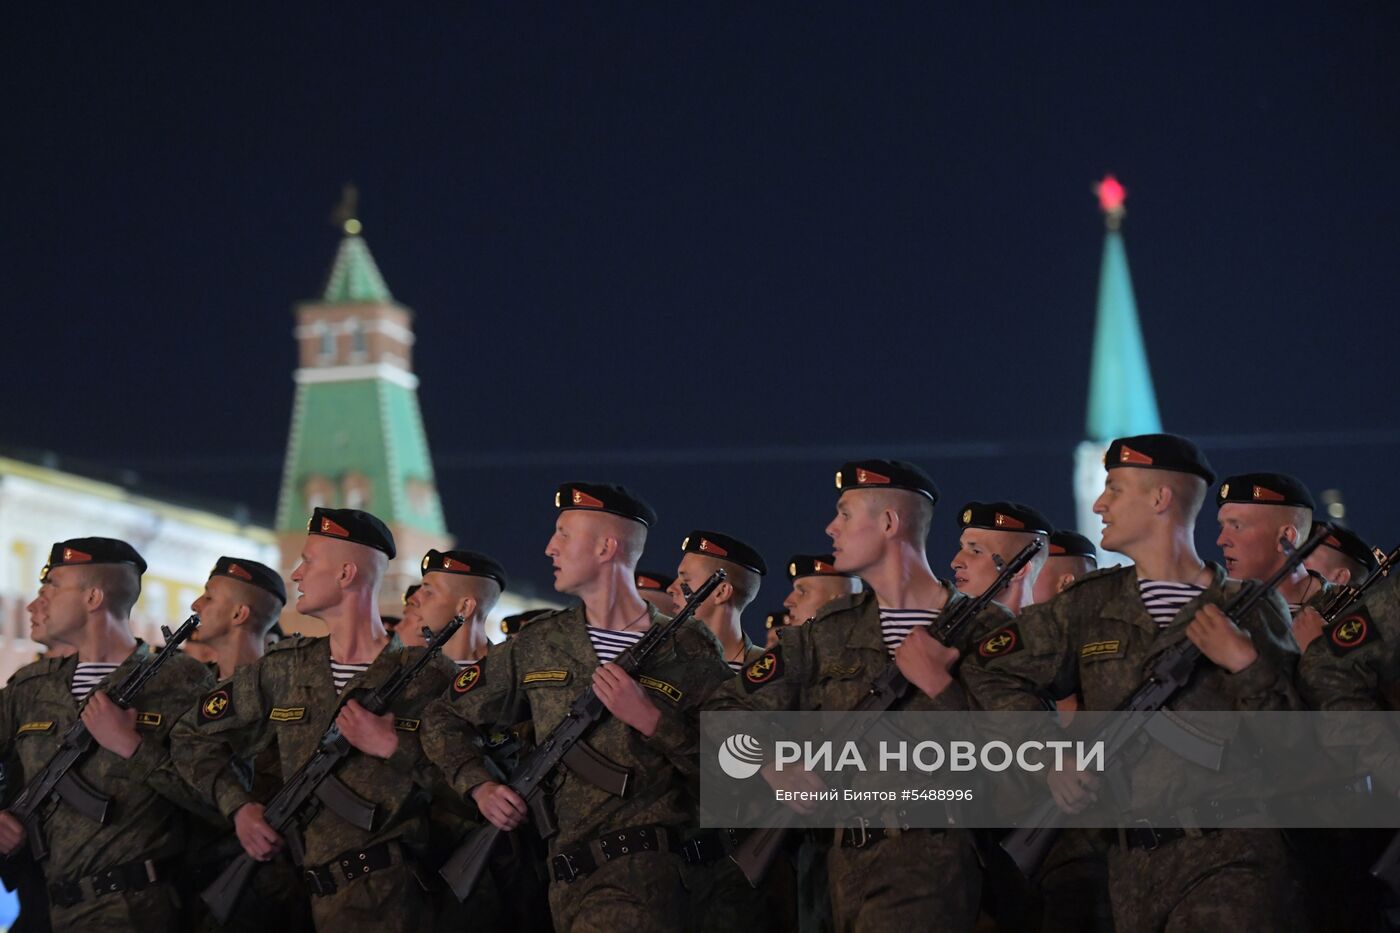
pixel 708 252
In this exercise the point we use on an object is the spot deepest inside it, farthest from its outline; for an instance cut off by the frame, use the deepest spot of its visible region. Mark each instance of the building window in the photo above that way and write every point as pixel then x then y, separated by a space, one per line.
pixel 359 352
pixel 327 342
pixel 318 492
pixel 355 489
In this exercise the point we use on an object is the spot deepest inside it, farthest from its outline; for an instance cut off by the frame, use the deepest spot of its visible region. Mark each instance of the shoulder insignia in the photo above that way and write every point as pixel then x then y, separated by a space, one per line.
pixel 406 725
pixel 215 706
pixel 148 720
pixel 1097 575
pixel 765 670
pixel 669 691
pixel 546 677
pixel 1005 640
pixel 467 679
pixel 287 714
pixel 1351 631
pixel 294 641
pixel 45 726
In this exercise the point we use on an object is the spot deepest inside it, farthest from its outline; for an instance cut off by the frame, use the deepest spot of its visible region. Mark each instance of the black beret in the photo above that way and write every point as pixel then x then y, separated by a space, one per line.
pixel 512 624
pixel 886 474
pixel 603 497
pixel 1072 544
pixel 92 551
pixel 391 622
pixel 723 547
pixel 1003 516
pixel 1265 489
pixel 1351 545
pixel 354 526
pixel 1158 452
pixel 275 632
pixel 651 580
pixel 464 563
pixel 777 619
pixel 813 565
pixel 408 593
pixel 252 573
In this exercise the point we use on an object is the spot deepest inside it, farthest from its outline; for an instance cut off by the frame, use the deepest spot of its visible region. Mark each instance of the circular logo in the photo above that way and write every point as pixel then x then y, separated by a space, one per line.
pixel 467 679
pixel 967 516
pixel 740 756
pixel 1350 632
pixel 997 643
pixel 216 704
pixel 762 669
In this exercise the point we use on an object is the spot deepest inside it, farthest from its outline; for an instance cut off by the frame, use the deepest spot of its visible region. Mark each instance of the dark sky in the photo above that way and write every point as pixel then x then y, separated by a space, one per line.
pixel 709 252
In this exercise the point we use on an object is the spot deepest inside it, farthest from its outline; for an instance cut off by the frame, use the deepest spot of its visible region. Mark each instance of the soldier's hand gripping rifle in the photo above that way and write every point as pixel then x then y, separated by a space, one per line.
pixel 564 746
pixel 314 783
pixel 1170 672
pixel 58 779
pixel 755 853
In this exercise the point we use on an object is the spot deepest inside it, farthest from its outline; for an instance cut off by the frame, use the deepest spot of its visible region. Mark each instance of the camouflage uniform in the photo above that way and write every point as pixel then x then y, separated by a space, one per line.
pixel 829 664
pixel 144 836
pixel 288 697
pixel 1098 635
pixel 537 675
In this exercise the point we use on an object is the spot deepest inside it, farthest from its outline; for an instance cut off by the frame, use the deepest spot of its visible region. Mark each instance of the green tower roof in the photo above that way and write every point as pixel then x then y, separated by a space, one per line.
pixel 354 275
pixel 1121 399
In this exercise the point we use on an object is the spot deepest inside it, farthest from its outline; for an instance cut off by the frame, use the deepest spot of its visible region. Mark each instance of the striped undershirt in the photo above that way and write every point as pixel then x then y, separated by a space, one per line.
pixel 342 674
pixel 87 675
pixel 468 662
pixel 1164 599
pixel 896 624
pixel 608 644
pixel 1294 608
pixel 735 666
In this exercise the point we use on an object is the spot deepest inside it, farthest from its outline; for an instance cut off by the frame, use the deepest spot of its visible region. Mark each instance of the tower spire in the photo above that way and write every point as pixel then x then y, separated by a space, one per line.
pixel 1121 398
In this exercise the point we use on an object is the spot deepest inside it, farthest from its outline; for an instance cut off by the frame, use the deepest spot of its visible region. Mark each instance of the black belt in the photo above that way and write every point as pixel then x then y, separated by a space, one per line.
pixel 863 834
pixel 579 860
pixel 710 845
pixel 132 876
pixel 1146 836
pixel 1150 837
pixel 323 880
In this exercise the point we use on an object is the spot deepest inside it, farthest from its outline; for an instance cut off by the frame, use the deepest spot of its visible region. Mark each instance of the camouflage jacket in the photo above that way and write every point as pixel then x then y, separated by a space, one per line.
pixel 1098 638
pixel 288 698
pixel 537 675
pixel 830 662
pixel 1353 666
pixel 37 707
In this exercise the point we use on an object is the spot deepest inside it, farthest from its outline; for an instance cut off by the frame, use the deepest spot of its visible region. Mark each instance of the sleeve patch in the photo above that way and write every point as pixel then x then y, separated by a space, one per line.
pixel 467 679
pixel 1005 640
pixel 406 725
pixel 669 691
pixel 765 670
pixel 287 714
pixel 1101 649
pixel 546 677
pixel 45 726
pixel 215 706
pixel 1352 631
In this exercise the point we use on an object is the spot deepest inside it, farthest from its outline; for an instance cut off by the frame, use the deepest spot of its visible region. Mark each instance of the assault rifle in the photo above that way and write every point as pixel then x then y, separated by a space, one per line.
pixel 1344 597
pixel 756 852
pixel 1170 672
pixel 314 784
pixel 565 746
pixel 58 779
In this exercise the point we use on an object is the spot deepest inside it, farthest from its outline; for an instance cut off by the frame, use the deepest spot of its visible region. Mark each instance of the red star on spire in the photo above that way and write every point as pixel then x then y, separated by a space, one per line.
pixel 1111 195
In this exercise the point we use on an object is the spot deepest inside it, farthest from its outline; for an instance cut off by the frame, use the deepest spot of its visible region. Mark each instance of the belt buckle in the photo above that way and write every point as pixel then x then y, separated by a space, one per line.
pixel 1151 832
pixel 860 842
pixel 690 852
pixel 319 886
pixel 569 867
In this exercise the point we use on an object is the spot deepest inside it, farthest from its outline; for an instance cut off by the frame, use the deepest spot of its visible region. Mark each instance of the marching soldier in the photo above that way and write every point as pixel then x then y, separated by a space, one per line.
pixel 1255 510
pixel 116 875
pixel 1000 530
pixel 705 552
pixel 239 606
pixel 359 880
pixel 615 859
pixel 512 624
pixel 880 878
pixel 815 582
pixel 1343 558
pixel 1071 556
pixel 1098 635
pixel 655 588
pixel 465 583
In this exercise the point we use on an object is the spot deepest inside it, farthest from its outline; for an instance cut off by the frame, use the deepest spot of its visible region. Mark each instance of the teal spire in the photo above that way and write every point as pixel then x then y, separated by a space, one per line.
pixel 354 276
pixel 1121 399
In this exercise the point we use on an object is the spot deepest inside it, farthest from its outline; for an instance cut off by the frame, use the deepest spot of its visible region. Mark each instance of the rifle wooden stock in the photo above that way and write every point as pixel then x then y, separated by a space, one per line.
pixel 314 781
pixel 1028 845
pixel 755 853
pixel 58 779
pixel 564 745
